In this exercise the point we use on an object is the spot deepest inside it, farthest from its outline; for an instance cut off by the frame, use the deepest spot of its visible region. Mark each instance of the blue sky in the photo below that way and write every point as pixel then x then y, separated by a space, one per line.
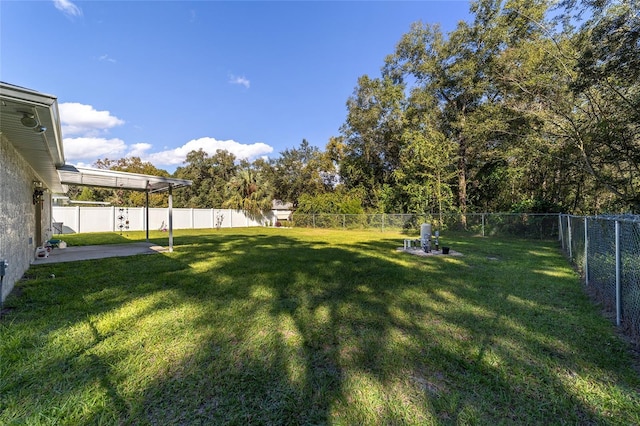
pixel 156 79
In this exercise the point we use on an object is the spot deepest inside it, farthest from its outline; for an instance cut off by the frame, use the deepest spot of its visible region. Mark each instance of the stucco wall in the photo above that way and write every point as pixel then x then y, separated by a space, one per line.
pixel 17 214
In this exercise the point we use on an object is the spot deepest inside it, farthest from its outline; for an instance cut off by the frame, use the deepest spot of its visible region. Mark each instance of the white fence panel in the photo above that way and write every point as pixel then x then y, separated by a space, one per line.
pixel 224 218
pixel 203 218
pixel 114 219
pixel 137 218
pixel 158 219
pixel 69 218
pixel 129 219
pixel 182 219
pixel 96 220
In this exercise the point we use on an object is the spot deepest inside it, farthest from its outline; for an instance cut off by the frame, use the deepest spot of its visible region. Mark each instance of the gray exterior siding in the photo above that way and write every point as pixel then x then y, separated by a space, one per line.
pixel 18 237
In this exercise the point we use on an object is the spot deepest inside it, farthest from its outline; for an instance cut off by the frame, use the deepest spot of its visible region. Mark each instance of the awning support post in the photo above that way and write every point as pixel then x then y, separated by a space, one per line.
pixel 146 206
pixel 170 219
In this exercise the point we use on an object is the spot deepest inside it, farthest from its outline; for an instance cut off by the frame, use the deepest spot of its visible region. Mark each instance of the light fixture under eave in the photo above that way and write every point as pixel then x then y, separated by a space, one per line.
pixel 40 129
pixel 29 120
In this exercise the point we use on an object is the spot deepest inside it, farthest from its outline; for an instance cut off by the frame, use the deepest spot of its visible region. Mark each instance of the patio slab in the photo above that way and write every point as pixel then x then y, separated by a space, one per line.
pixel 418 251
pixel 75 253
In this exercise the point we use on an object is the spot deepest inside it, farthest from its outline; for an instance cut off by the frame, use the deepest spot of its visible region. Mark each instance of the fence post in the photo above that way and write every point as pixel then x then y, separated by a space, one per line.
pixel 586 251
pixel 77 224
pixel 313 219
pixel 382 222
pixel 569 235
pixel 560 232
pixel 483 224
pixel 344 222
pixel 170 219
pixel 618 301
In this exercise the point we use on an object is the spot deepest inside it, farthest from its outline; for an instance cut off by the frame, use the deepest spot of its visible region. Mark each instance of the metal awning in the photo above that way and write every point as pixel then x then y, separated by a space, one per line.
pixel 30 121
pixel 86 176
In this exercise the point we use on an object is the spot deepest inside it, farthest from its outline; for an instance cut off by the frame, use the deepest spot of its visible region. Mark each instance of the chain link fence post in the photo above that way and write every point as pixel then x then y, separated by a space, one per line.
pixel 610 264
pixel 586 251
pixel 569 234
pixel 618 302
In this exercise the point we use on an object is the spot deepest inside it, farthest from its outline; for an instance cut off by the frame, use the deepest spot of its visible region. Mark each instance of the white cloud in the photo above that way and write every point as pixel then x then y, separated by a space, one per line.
pixel 86 150
pixel 107 58
pixel 91 149
pixel 233 79
pixel 85 128
pixel 80 119
pixel 139 149
pixel 68 8
pixel 174 157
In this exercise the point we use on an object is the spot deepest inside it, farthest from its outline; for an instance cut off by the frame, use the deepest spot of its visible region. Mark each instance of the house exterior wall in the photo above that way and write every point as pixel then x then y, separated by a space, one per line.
pixel 17 215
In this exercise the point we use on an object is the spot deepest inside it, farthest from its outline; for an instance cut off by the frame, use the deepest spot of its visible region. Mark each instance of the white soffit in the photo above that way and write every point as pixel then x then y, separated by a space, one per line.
pixel 43 150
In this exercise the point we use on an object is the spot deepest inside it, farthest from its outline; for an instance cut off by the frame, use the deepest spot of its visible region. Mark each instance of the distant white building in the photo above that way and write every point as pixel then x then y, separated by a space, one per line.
pixel 281 210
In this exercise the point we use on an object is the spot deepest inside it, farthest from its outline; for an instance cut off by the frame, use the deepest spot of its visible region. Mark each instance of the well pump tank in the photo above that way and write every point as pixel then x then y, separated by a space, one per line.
pixel 425 236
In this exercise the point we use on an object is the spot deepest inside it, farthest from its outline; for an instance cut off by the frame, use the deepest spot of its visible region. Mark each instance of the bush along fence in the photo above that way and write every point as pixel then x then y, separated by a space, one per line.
pixel 524 225
pixel 606 251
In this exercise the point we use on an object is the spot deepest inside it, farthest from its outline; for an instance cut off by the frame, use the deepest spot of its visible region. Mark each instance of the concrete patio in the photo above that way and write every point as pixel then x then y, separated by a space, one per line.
pixel 72 254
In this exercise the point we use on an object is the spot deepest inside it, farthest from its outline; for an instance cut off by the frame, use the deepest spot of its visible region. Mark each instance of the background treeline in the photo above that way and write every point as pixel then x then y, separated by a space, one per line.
pixel 532 106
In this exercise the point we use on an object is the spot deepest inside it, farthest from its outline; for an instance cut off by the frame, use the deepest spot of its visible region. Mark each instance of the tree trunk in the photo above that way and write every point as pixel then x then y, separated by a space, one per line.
pixel 462 180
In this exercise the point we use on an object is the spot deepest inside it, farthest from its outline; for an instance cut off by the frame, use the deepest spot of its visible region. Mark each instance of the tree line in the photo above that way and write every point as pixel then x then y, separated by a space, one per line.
pixel 531 106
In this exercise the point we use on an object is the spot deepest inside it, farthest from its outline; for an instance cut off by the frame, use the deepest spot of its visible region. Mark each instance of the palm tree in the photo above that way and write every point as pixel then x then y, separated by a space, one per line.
pixel 248 191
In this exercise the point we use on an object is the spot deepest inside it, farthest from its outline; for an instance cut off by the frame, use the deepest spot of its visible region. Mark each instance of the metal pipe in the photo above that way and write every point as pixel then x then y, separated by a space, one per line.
pixel 146 206
pixel 569 235
pixel 618 300
pixel 1 294
pixel 170 219
pixel 3 271
pixel 586 251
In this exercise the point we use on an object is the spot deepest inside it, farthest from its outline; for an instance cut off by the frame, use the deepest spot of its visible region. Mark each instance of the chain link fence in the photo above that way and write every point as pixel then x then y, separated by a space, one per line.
pixel 538 226
pixel 606 251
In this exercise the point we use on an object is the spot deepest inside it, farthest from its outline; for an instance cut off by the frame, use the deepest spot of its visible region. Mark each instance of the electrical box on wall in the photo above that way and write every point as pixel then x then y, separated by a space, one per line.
pixel 3 267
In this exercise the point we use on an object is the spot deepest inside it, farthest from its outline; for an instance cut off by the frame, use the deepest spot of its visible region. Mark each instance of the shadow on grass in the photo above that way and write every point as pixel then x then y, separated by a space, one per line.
pixel 277 329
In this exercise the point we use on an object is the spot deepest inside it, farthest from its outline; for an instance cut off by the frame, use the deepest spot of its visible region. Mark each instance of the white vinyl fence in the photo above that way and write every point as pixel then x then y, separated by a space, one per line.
pixel 71 220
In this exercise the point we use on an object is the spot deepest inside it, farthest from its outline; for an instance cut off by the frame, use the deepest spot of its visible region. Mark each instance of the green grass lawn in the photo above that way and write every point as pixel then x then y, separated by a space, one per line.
pixel 300 326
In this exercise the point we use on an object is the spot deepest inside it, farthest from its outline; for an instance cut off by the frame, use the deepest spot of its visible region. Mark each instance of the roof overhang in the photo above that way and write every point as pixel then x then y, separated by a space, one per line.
pixel 86 176
pixel 41 146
